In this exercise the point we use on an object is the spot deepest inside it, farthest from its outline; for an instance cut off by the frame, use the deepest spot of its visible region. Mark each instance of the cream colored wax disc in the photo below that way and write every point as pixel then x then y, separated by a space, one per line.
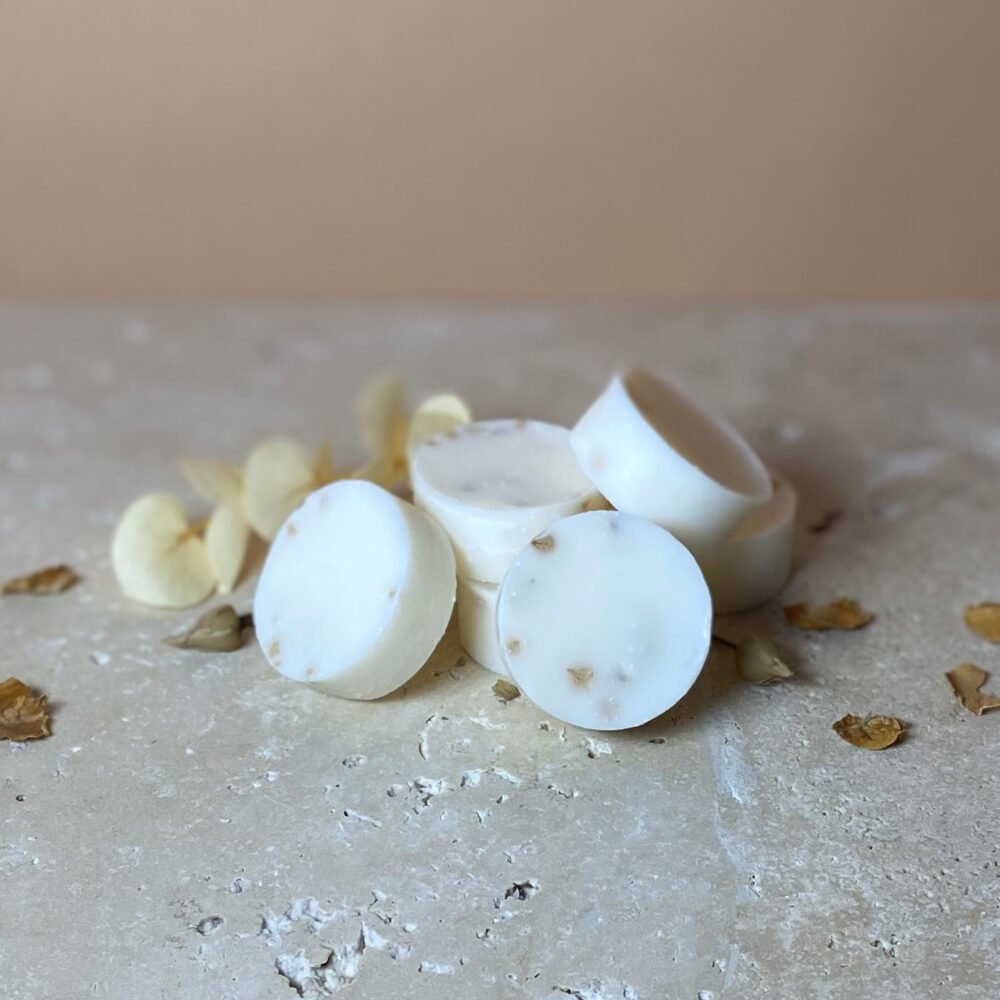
pixel 477 623
pixel 654 452
pixel 356 591
pixel 604 620
pixel 494 485
pixel 753 564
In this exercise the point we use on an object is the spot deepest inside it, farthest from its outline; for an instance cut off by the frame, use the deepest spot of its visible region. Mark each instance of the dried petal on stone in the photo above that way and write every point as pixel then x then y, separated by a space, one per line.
pixel 219 630
pixel 842 614
pixel 506 691
pixel 436 415
pixel 384 425
pixel 215 481
pixel 875 732
pixel 984 620
pixel 157 555
pixel 966 680
pixel 758 661
pixel 226 538
pixel 23 715
pixel 279 474
pixel 52 580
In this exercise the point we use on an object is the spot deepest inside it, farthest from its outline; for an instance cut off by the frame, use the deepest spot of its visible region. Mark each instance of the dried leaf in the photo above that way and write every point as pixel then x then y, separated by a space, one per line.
pixel 279 474
pixel 506 691
pixel 23 715
pixel 52 580
pixel 214 481
pixel 157 555
pixel 219 630
pixel 876 732
pixel 984 620
pixel 226 538
pixel 966 680
pixel 842 614
pixel 758 661
pixel 436 415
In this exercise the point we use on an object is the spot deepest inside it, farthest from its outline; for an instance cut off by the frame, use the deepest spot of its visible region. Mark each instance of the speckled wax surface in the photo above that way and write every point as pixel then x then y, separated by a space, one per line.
pixel 196 821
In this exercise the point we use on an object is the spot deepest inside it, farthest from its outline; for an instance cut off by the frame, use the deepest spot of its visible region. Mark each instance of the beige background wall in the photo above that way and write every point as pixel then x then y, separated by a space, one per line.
pixel 500 148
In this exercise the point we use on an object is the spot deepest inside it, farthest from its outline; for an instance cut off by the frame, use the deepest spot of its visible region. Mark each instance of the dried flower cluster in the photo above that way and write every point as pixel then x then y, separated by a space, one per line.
pixel 163 558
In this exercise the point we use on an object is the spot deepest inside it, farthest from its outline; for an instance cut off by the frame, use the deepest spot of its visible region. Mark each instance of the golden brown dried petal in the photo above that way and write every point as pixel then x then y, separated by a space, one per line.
pixel 506 691
pixel 842 614
pixel 984 620
pixel 875 732
pixel 52 580
pixel 758 661
pixel 966 680
pixel 23 715
pixel 219 631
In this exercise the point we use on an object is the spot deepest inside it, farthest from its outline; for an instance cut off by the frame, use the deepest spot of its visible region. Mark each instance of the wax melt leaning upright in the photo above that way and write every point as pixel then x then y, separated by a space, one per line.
pixel 356 591
pixel 653 452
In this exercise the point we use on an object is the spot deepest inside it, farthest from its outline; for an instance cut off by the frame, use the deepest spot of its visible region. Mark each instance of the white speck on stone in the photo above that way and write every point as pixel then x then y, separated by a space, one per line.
pixel 595 747
pixel 437 968
pixel 101 659
pixel 362 818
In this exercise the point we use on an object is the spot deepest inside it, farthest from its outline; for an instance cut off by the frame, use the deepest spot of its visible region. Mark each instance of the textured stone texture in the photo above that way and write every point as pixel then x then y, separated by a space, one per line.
pixel 196 820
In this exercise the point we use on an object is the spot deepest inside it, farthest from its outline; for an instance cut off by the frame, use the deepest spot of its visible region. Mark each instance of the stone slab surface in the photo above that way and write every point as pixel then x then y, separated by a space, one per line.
pixel 196 821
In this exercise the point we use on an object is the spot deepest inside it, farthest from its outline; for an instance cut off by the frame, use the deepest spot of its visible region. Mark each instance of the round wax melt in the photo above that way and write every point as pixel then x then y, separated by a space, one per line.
pixel 753 564
pixel 653 452
pixel 604 620
pixel 494 485
pixel 356 591
pixel 477 623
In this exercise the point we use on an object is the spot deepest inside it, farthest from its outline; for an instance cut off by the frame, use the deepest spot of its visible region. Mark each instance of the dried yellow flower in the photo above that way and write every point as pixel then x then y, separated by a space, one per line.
pixel 279 474
pixel 842 614
pixel 758 661
pixel 23 714
pixel 984 620
pixel 966 680
pixel 227 536
pixel 436 415
pixel 159 557
pixel 215 481
pixel 875 732
pixel 219 630
pixel 52 580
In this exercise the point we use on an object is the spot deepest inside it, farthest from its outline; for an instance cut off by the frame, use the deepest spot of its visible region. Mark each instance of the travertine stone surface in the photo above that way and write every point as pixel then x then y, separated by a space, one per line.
pixel 197 823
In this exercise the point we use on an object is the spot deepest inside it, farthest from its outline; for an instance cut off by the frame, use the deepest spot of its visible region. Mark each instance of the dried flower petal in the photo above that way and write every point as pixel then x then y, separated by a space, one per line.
pixel 157 555
pixel 876 732
pixel 23 715
pixel 758 661
pixel 384 425
pixel 218 630
pixel 52 580
pixel 226 538
pixel 842 614
pixel 506 691
pixel 984 620
pixel 966 680
pixel 436 415
pixel 323 468
pixel 214 481
pixel 279 474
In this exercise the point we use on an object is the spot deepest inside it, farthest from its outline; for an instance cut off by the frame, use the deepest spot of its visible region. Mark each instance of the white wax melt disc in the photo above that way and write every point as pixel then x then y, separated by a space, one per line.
pixel 494 485
pixel 653 452
pixel 604 620
pixel 477 623
pixel 356 591
pixel 753 564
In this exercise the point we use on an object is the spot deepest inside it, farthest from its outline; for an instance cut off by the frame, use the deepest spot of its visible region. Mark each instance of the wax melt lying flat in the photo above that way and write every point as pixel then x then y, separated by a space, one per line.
pixel 477 623
pixel 356 591
pixel 753 564
pixel 604 620
pixel 654 453
pixel 494 485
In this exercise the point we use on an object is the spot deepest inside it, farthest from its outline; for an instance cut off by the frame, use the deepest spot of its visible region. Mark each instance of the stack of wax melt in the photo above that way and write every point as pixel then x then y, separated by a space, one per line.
pixel 601 616
pixel 493 486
